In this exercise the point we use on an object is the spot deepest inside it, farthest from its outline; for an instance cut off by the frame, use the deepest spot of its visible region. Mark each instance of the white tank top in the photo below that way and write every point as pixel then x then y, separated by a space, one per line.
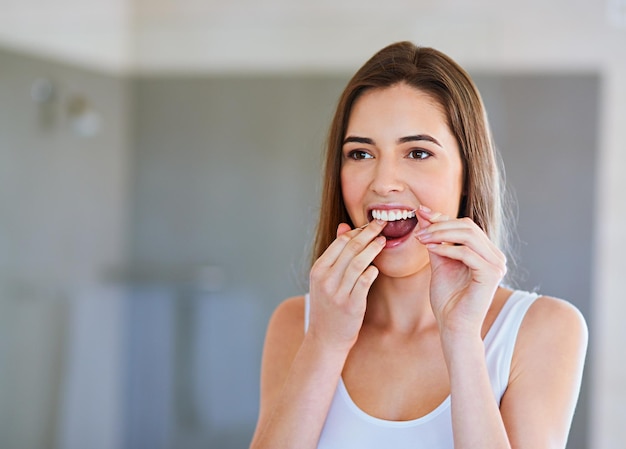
pixel 347 426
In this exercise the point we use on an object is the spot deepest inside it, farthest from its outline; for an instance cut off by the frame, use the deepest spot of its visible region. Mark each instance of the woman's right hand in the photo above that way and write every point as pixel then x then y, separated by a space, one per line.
pixel 339 283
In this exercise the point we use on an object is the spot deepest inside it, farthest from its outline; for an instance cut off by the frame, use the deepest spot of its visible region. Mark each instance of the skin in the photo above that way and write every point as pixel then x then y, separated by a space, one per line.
pixel 419 308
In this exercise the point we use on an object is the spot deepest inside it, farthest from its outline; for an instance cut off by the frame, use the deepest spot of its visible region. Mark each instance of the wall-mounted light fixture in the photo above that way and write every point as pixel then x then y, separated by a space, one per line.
pixel 82 117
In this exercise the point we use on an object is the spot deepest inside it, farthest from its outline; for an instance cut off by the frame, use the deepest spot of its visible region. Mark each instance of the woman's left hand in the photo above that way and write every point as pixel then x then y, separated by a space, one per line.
pixel 467 268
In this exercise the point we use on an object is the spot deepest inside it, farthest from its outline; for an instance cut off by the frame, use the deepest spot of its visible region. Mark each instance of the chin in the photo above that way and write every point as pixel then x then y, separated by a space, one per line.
pixel 396 266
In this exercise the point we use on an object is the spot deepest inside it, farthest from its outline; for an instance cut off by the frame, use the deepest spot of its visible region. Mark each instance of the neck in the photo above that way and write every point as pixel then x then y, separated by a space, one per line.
pixel 400 304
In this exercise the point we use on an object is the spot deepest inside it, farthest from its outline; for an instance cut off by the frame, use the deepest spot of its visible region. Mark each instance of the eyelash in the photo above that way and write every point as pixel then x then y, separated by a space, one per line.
pixel 358 155
pixel 424 154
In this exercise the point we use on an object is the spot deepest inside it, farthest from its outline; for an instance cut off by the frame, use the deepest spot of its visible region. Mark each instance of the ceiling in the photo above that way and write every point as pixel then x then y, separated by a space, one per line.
pixel 190 36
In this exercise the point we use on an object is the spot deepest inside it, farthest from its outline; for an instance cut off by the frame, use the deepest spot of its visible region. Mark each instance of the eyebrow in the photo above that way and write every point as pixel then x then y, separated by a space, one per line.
pixel 415 138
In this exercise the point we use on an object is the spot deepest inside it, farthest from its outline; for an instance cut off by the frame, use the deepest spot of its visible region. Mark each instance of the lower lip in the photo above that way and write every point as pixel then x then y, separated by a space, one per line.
pixel 399 241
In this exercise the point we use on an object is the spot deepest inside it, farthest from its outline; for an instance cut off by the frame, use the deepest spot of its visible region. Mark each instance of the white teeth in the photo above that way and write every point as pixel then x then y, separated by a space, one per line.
pixel 392 215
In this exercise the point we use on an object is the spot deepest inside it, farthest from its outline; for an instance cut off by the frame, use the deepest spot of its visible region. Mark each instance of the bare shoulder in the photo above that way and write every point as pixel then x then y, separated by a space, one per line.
pixel 287 321
pixel 285 333
pixel 550 316
pixel 546 374
pixel 284 336
pixel 552 329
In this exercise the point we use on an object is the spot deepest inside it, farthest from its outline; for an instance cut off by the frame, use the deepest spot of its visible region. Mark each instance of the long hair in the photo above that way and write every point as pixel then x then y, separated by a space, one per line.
pixel 436 74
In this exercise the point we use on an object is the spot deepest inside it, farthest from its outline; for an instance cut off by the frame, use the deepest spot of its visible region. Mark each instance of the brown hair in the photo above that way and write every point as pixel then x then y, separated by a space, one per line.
pixel 438 75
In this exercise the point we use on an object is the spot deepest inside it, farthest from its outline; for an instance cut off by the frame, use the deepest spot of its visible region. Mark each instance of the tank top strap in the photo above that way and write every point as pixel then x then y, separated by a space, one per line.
pixel 502 336
pixel 307 311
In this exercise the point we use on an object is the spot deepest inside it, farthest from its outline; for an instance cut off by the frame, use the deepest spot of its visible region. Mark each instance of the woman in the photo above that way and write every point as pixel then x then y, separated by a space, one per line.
pixel 408 339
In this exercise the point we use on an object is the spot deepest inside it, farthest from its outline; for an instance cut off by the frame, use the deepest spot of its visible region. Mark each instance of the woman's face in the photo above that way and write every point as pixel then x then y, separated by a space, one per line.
pixel 398 154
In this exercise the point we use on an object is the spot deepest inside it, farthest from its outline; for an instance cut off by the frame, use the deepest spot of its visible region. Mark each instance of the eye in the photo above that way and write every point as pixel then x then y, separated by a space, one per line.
pixel 419 154
pixel 358 155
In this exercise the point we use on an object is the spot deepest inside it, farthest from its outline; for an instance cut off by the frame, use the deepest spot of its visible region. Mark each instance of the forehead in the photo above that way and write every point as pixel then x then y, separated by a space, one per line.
pixel 398 109
pixel 398 92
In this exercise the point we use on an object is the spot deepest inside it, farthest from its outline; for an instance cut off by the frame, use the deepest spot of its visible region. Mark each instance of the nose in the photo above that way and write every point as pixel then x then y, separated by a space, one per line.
pixel 387 177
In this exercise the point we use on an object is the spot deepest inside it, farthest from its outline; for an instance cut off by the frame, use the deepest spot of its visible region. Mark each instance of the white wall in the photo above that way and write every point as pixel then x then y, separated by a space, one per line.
pixel 63 229
pixel 608 405
pixel 94 33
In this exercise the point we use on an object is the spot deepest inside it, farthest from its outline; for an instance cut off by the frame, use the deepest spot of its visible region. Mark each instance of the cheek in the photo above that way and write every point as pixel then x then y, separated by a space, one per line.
pixel 441 192
pixel 453 199
pixel 455 183
pixel 353 191
pixel 349 188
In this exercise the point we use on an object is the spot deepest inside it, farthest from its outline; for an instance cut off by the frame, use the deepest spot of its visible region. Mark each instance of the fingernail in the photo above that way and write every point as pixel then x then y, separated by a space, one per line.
pixel 424 208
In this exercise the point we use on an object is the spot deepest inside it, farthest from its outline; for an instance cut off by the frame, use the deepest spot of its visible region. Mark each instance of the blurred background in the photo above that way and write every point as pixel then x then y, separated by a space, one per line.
pixel 159 181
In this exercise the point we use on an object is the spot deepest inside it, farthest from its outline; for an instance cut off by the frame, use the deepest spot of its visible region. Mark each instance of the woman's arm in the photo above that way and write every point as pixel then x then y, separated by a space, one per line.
pixel 298 380
pixel 537 407
pixel 546 374
pixel 300 373
pixel 476 419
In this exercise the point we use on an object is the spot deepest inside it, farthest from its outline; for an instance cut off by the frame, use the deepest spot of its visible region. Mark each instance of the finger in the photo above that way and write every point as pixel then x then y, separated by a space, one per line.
pixel 358 243
pixel 482 268
pixel 481 246
pixel 359 264
pixel 364 283
pixel 422 218
pixel 345 235
pixel 458 231
pixel 478 243
pixel 426 214
pixel 340 277
pixel 461 232
pixel 343 228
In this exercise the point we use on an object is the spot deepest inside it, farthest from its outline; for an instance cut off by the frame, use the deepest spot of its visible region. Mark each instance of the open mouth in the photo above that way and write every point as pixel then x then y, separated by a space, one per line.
pixel 400 222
